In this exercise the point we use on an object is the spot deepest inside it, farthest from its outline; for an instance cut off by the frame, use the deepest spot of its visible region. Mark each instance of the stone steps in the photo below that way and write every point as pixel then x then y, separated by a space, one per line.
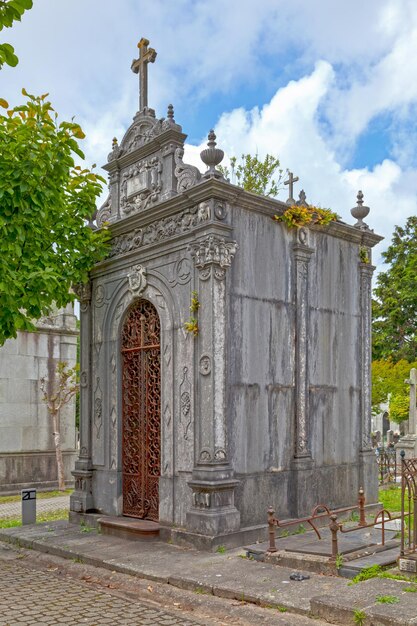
pixel 129 528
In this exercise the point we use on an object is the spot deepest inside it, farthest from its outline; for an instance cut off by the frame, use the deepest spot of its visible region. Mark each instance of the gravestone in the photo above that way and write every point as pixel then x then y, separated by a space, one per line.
pixel 27 451
pixel 260 394
pixel 408 442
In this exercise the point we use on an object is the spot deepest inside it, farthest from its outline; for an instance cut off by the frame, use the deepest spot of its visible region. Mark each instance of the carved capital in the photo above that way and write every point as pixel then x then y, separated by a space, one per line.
pixel 83 293
pixel 213 250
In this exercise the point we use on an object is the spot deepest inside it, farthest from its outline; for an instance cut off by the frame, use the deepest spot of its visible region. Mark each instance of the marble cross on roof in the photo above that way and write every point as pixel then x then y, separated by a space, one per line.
pixel 140 66
pixel 290 182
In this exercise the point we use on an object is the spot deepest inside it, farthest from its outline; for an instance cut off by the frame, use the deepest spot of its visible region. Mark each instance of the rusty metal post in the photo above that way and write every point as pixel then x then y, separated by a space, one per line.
pixel 361 507
pixel 334 527
pixel 383 527
pixel 402 550
pixel 271 530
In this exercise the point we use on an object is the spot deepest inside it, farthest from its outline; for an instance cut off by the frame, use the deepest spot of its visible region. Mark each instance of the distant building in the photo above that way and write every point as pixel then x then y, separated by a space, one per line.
pixel 27 452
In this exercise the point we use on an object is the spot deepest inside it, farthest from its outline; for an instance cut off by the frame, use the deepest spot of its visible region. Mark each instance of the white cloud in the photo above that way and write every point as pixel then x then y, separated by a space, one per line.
pixel 288 127
pixel 81 53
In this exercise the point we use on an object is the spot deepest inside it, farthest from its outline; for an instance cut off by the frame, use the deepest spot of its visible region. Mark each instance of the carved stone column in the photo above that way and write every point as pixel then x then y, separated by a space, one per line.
pixel 300 501
pixel 213 511
pixel 81 500
pixel 366 270
pixel 368 467
pixel 302 254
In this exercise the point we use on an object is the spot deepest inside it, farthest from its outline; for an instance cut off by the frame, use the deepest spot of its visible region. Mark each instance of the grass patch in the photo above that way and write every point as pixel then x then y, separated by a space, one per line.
pixel 410 589
pixel 387 599
pixel 368 572
pixel 407 579
pixel 359 617
pixel 221 549
pixel 9 523
pixel 40 495
pixel 49 516
pixel 391 498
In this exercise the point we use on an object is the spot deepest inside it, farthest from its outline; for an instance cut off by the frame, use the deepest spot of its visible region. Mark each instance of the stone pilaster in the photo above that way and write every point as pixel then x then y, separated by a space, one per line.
pixel 81 500
pixel 213 511
pixel 368 467
pixel 302 254
pixel 302 494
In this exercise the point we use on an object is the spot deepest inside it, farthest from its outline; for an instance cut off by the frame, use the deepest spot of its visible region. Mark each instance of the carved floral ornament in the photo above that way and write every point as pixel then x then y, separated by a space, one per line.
pixel 213 250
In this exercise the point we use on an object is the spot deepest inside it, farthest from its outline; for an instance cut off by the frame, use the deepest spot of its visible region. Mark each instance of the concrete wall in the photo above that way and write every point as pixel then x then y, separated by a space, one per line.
pixel 27 453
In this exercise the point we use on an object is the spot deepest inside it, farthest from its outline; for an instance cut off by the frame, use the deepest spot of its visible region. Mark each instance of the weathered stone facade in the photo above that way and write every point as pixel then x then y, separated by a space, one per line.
pixel 270 402
pixel 27 453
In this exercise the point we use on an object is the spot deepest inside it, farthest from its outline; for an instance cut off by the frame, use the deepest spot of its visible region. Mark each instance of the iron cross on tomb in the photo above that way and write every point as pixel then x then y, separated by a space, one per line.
pixel 290 182
pixel 140 66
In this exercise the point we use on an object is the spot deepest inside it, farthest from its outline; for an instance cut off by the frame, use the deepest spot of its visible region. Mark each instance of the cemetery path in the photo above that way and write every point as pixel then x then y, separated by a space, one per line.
pixel 46 505
pixel 209 588
pixel 42 590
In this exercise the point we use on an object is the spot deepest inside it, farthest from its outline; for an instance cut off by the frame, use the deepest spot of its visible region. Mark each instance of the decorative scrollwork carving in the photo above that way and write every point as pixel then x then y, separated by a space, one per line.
pixel 104 213
pixel 99 295
pixel 98 408
pixel 157 231
pixel 185 403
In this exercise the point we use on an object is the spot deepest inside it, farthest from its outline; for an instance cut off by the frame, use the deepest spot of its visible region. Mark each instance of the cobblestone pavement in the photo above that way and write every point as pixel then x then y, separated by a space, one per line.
pixel 14 509
pixel 45 589
pixel 37 598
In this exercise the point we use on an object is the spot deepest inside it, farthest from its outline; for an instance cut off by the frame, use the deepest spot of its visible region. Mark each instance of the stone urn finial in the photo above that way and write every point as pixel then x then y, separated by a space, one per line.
pixel 360 211
pixel 170 113
pixel 212 156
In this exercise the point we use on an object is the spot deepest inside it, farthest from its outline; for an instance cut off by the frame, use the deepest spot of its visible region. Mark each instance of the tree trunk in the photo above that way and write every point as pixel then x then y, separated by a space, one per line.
pixel 58 453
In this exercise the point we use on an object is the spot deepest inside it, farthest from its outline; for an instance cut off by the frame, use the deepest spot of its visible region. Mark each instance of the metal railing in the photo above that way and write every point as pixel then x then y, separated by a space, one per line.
pixel 408 505
pixel 387 465
pixel 321 511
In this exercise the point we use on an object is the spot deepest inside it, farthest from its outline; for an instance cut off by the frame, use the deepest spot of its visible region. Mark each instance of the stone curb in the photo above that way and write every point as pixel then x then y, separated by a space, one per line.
pixel 336 606
pixel 181 582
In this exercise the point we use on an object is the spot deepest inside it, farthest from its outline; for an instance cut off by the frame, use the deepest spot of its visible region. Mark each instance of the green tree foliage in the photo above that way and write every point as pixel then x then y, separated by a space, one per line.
pixel 11 11
pixel 46 245
pixel 262 177
pixel 388 379
pixel 395 304
pixel 399 406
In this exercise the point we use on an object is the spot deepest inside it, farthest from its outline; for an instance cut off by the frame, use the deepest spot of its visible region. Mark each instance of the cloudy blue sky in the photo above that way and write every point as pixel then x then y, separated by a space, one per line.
pixel 329 86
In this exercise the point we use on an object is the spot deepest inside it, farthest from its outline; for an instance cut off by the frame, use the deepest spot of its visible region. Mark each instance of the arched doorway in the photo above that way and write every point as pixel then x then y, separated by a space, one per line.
pixel 141 402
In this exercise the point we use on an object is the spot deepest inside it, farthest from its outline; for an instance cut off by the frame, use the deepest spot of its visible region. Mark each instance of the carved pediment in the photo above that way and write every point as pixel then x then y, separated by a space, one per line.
pixel 145 127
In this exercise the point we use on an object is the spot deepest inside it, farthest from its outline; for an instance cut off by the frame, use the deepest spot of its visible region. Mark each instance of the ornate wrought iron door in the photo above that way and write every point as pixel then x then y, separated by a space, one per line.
pixel 141 438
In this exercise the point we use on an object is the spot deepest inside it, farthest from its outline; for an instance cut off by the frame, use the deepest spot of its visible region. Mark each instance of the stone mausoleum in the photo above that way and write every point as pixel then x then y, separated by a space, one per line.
pixel 27 451
pixel 265 399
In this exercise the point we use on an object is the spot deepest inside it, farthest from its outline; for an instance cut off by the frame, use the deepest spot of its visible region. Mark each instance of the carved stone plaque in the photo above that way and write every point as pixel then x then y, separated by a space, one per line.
pixel 136 184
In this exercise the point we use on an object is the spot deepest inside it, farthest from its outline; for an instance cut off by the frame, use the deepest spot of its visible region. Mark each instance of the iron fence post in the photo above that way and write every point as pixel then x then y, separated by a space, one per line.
pixel 271 530
pixel 334 527
pixel 402 551
pixel 361 506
